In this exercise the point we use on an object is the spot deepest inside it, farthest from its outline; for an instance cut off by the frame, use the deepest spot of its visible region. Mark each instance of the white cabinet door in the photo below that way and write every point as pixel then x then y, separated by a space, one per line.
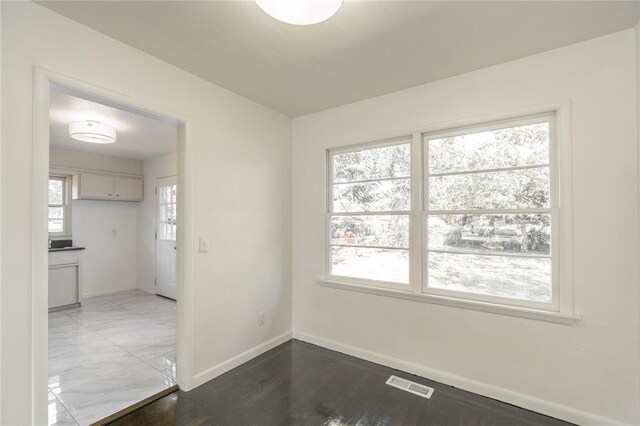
pixel 96 186
pixel 127 189
pixel 90 186
pixel 63 285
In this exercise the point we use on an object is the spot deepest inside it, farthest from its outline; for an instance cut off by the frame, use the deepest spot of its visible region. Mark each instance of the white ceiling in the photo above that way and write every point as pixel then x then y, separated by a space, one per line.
pixel 139 135
pixel 369 48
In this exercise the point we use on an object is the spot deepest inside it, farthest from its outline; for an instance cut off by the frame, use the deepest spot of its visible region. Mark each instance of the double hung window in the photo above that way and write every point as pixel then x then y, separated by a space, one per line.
pixel 488 212
pixel 369 207
pixel 58 206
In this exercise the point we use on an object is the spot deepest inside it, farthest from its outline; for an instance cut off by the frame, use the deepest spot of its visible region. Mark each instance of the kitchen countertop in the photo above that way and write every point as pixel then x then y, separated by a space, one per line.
pixel 71 248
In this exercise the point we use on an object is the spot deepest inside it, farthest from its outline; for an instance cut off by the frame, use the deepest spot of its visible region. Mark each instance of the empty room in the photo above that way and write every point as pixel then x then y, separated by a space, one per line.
pixel 319 212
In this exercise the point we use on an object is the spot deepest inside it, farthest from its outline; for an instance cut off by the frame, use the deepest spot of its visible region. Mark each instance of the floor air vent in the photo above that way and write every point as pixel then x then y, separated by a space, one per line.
pixel 406 385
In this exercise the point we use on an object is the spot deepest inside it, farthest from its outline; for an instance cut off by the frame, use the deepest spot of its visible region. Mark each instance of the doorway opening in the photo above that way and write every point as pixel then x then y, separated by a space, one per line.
pixel 109 322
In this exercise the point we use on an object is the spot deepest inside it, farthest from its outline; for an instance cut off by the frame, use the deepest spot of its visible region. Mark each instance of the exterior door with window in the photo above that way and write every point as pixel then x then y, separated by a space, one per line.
pixel 166 244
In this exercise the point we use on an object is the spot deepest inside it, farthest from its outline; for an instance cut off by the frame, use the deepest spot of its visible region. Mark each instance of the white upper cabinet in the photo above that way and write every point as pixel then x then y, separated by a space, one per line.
pixel 127 189
pixel 89 186
pixel 93 186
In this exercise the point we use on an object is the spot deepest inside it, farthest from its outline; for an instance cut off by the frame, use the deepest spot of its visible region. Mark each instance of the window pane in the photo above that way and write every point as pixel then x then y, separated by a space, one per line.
pixel 56 212
pixel 174 213
pixel 56 225
pixel 167 231
pixel 510 277
pixel 528 188
pixel 164 195
pixel 168 194
pixel 163 232
pixel 522 234
pixel 377 163
pixel 388 195
pixel 514 146
pixel 373 264
pixel 56 191
pixel 387 231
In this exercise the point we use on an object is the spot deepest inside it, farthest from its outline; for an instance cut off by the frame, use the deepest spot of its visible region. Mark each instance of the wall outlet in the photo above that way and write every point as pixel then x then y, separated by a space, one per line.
pixel 261 320
pixel 203 245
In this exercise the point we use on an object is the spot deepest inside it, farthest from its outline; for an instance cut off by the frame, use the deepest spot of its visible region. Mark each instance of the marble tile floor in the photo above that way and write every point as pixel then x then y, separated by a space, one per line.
pixel 110 353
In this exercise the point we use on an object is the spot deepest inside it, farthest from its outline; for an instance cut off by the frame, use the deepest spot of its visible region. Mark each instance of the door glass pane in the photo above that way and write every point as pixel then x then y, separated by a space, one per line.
pixel 510 277
pixel 511 189
pixel 171 213
pixel 519 234
pixel 510 147
pixel 167 213
pixel 373 264
pixel 387 231
pixel 164 194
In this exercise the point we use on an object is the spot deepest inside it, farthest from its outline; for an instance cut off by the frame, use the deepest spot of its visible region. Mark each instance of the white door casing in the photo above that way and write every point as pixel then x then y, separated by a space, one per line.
pixel 43 79
pixel 166 241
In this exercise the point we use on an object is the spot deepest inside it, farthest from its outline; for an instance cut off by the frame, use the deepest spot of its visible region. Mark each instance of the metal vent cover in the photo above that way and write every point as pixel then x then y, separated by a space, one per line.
pixel 409 386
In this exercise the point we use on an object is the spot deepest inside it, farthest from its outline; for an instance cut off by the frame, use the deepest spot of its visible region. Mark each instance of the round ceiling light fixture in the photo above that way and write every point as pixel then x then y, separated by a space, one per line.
pixel 300 12
pixel 92 132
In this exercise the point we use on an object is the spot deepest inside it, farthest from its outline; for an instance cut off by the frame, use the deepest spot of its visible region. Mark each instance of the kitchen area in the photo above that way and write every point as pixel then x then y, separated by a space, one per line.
pixel 65 278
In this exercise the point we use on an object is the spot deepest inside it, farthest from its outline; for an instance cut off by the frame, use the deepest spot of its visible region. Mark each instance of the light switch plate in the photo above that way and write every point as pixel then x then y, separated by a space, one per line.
pixel 203 246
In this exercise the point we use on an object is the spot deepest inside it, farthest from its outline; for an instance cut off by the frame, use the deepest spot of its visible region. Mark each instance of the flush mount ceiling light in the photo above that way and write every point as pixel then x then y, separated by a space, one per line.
pixel 300 12
pixel 92 132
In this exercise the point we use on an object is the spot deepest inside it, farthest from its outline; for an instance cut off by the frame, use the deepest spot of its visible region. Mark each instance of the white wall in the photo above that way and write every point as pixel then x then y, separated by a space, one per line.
pixel 637 33
pixel 241 178
pixel 80 160
pixel 587 372
pixel 108 231
pixel 161 166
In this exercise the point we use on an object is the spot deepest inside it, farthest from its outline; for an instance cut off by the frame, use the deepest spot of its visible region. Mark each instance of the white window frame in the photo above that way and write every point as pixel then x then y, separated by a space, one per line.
pixel 407 140
pixel 561 309
pixel 552 210
pixel 66 198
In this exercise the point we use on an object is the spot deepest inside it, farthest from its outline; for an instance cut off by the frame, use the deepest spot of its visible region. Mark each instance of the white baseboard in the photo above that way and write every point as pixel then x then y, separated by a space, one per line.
pixel 515 398
pixel 223 367
pixel 146 290
pixel 105 292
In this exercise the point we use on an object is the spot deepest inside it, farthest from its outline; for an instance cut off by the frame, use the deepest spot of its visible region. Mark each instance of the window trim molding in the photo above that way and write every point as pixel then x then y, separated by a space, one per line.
pixel 510 310
pixel 563 312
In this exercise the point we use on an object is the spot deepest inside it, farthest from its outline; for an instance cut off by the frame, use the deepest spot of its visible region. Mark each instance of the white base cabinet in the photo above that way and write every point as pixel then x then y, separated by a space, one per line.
pixel 64 279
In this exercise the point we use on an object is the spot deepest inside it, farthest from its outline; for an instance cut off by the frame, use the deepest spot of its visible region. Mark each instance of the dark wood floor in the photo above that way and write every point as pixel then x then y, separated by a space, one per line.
pixel 302 384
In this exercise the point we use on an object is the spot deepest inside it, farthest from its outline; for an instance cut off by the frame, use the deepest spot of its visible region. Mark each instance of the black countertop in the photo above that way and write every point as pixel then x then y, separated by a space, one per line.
pixel 70 248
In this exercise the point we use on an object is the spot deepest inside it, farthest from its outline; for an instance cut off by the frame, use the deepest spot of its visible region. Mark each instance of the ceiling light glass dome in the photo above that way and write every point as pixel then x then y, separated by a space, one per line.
pixel 300 12
pixel 92 132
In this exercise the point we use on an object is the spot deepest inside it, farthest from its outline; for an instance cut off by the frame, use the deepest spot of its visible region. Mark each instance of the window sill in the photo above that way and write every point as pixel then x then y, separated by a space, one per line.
pixel 535 314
